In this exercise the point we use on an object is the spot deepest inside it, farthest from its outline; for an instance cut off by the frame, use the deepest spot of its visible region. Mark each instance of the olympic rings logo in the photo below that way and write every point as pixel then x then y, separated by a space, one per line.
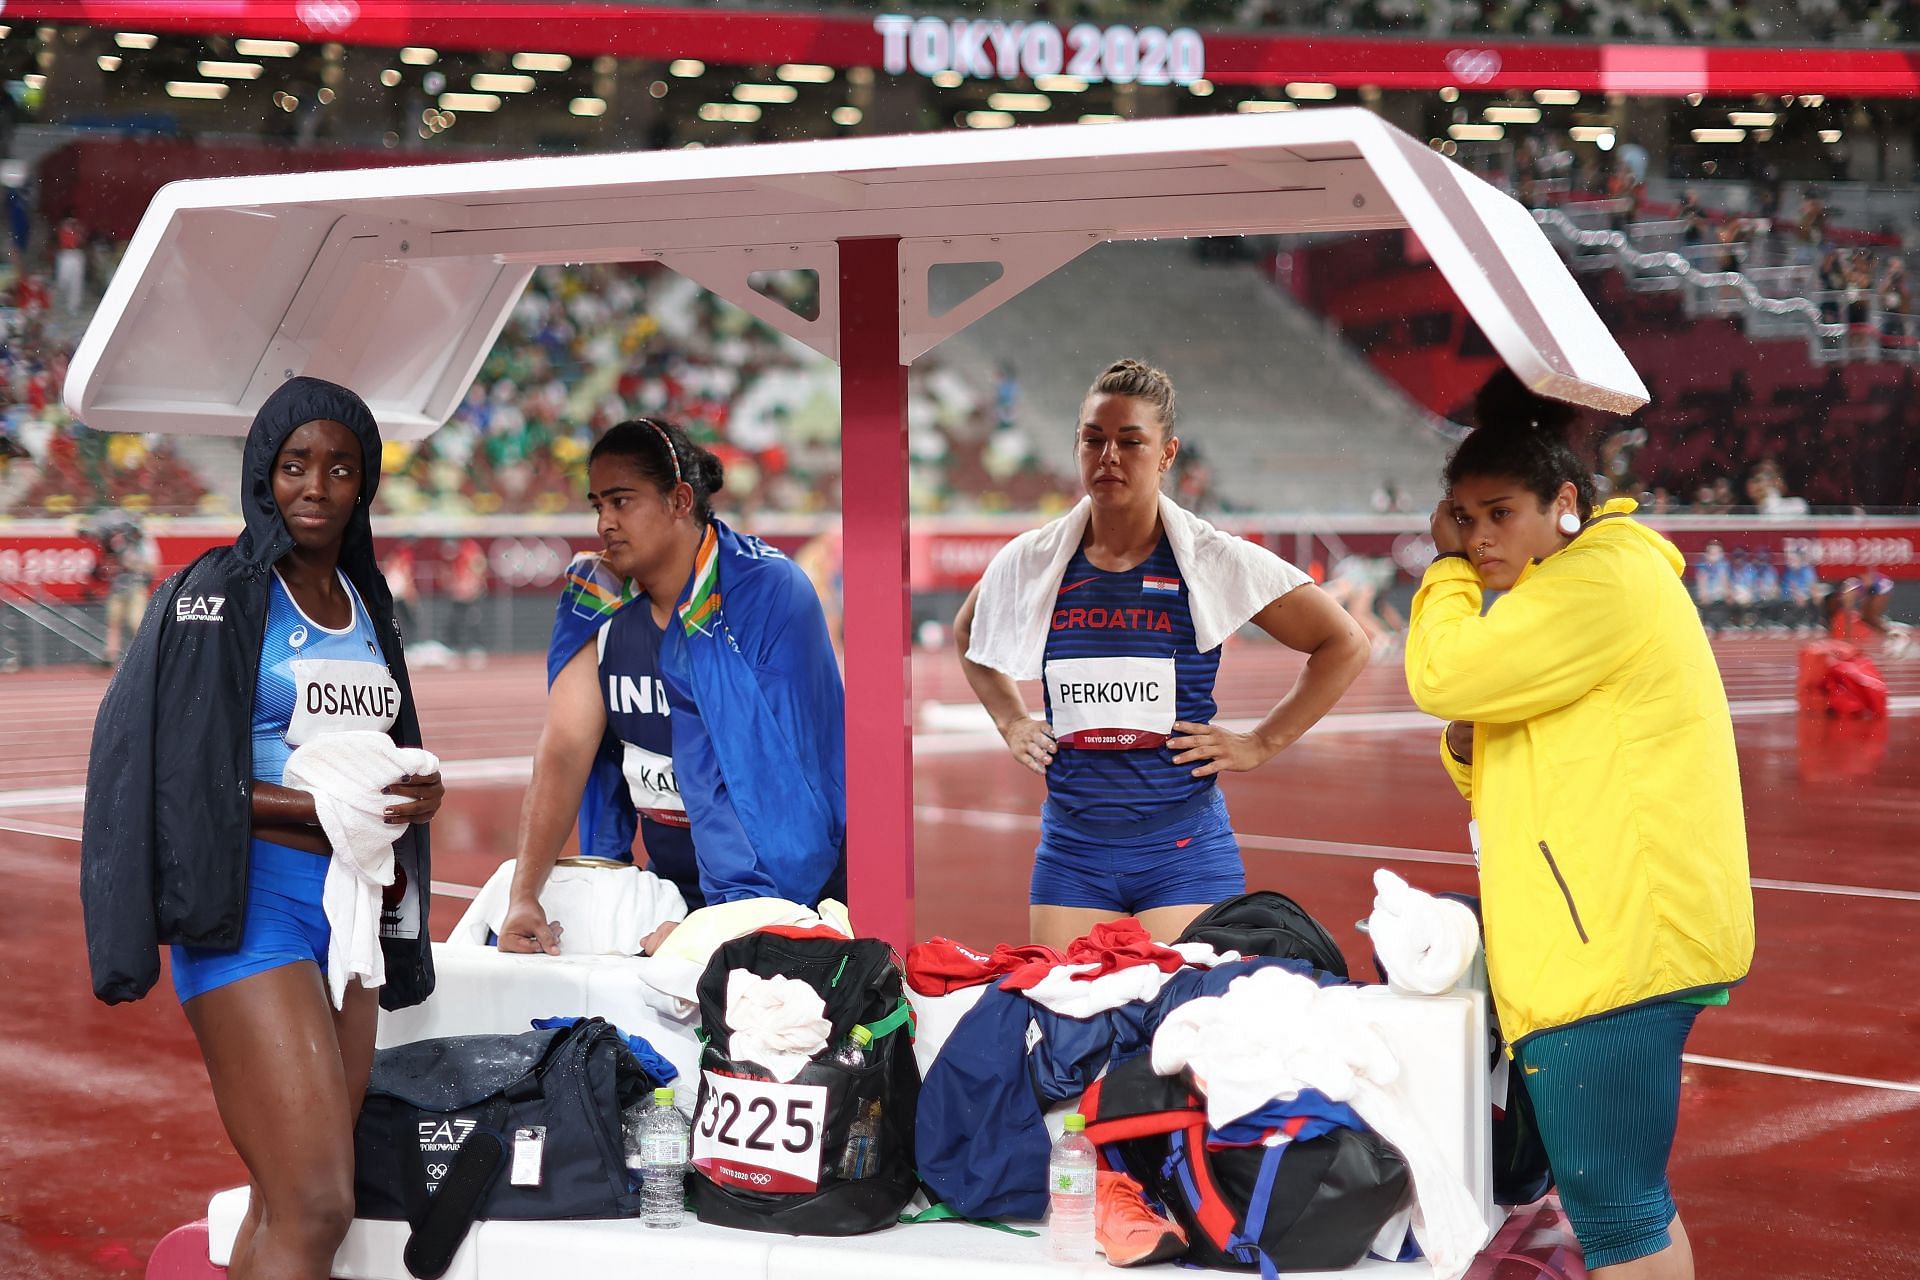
pixel 1474 66
pixel 538 562
pixel 437 1171
pixel 329 16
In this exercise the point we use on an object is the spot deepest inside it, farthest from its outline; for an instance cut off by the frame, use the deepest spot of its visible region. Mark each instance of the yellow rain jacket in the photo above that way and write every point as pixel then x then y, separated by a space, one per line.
pixel 1613 846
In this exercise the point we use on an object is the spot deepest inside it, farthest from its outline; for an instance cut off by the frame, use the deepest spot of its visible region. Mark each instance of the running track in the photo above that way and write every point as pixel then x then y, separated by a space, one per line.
pixel 1799 1150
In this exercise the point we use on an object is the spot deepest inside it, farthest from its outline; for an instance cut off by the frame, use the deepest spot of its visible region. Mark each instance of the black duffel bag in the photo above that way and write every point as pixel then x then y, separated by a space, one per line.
pixel 830 1152
pixel 521 1126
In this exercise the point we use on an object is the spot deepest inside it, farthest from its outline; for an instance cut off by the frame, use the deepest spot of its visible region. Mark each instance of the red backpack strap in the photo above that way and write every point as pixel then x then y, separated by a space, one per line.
pixel 1210 1209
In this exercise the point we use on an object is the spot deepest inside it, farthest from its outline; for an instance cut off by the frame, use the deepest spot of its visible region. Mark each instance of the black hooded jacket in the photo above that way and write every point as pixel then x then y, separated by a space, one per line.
pixel 163 847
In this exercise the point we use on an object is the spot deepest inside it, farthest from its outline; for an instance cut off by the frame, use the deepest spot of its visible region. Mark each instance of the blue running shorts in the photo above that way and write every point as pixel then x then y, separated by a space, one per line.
pixel 284 923
pixel 1188 857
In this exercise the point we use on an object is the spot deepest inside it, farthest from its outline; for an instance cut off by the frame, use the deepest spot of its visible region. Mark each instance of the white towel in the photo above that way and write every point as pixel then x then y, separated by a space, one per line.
pixel 346 773
pixel 1231 580
pixel 1426 944
pixel 607 910
pixel 777 1022
pixel 1274 1033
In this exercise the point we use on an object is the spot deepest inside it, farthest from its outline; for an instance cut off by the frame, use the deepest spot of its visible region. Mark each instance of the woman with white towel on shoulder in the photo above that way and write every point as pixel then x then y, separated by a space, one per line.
pixel 254 784
pixel 1122 606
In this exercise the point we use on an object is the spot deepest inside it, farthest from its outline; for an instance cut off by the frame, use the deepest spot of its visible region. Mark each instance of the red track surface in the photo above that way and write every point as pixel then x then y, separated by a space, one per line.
pixel 114 1140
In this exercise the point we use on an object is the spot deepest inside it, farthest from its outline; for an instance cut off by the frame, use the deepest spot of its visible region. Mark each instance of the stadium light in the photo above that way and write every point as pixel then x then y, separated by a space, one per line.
pixel 416 56
pixel 469 102
pixel 805 73
pixel 1201 88
pixel 1311 91
pixel 202 89
pixel 491 82
pixel 265 48
pixel 1099 119
pixel 231 70
pixel 687 68
pixel 1753 119
pixel 1512 115
pixel 390 77
pixel 108 61
pixel 1719 135
pixel 1060 84
pixel 1557 97
pixel 1813 100
pixel 848 115
pixel 730 112
pixel 1449 94
pixel 1019 101
pixel 588 106
pixel 1476 132
pixel 35 81
pixel 135 39
pixel 989 120
pixel 541 62
pixel 948 80
pixel 1253 105
pixel 1829 135
pixel 1601 133
pixel 769 93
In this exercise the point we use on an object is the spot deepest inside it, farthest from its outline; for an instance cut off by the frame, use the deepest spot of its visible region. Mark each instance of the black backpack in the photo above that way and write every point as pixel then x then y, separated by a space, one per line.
pixel 1266 923
pixel 829 1152
pixel 1312 1204
pixel 444 1119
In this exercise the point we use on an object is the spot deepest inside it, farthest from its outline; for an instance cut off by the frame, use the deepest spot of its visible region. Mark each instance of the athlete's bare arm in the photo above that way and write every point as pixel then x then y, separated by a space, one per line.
pixel 1306 620
pixel 1030 740
pixel 576 721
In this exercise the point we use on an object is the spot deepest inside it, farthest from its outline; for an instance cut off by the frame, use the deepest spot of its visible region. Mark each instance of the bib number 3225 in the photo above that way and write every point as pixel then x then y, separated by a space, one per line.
pixel 760 1135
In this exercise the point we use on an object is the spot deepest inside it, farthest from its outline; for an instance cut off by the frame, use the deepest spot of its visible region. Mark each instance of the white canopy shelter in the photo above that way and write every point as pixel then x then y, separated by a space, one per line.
pixel 396 282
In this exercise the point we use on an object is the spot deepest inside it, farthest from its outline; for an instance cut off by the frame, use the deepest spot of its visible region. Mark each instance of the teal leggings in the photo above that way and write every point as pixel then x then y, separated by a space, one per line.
pixel 1607 1096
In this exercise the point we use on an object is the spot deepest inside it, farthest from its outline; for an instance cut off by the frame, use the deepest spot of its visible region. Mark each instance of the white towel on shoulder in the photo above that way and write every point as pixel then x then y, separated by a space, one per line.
pixel 346 773
pixel 1231 580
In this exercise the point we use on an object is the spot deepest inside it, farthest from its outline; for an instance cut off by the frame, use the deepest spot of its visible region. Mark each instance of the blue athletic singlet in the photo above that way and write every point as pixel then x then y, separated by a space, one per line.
pixel 314 680
pixel 640 715
pixel 1121 666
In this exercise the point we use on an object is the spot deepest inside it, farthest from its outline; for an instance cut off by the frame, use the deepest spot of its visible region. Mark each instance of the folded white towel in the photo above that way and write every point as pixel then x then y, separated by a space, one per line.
pixel 1231 580
pixel 777 1022
pixel 346 774
pixel 674 970
pixel 1426 944
pixel 608 910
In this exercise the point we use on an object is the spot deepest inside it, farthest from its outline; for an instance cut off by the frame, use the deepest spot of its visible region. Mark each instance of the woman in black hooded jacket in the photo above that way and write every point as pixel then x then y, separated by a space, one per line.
pixel 189 839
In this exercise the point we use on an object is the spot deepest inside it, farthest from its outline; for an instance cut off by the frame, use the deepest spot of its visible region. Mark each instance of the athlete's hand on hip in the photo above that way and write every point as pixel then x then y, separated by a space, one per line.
pixel 1219 749
pixel 419 799
pixel 1446 529
pixel 527 931
pixel 1031 742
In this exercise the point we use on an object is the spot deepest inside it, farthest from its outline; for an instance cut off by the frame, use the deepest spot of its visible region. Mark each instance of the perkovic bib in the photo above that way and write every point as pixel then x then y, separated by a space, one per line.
pixel 1111 704
pixel 651 785
pixel 333 694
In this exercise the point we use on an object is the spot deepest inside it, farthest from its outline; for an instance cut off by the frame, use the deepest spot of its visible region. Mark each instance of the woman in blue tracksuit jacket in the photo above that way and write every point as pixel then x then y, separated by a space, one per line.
pixel 694 695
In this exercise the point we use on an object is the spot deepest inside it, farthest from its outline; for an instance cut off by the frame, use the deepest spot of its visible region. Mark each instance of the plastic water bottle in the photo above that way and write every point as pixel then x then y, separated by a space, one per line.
pixel 858 1157
pixel 663 1163
pixel 1070 1182
pixel 854 1052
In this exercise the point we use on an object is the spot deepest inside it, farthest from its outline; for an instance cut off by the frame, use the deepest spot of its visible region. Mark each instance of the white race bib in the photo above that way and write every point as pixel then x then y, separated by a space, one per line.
pixel 331 695
pixel 760 1134
pixel 651 784
pixel 1111 704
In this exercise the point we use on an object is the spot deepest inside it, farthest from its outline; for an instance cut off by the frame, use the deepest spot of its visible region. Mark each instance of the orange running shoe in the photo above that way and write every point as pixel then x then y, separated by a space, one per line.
pixel 1126 1228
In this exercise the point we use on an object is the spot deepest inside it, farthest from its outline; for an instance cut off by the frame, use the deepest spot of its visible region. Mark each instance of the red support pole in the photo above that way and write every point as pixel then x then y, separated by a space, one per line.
pixel 873 503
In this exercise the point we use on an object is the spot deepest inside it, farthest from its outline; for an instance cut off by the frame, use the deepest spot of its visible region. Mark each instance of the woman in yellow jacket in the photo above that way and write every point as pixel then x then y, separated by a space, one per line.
pixel 1591 734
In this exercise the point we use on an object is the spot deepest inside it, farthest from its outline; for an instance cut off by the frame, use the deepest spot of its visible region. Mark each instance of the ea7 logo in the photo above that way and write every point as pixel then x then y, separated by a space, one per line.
pixel 199 608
